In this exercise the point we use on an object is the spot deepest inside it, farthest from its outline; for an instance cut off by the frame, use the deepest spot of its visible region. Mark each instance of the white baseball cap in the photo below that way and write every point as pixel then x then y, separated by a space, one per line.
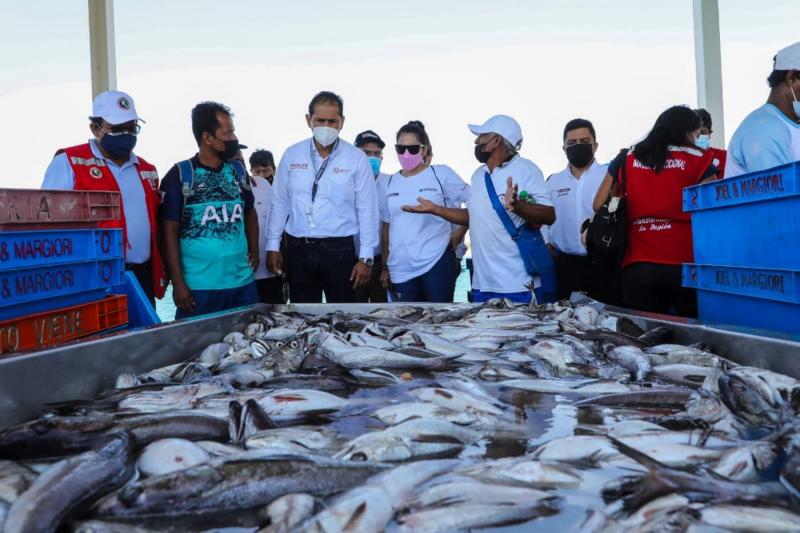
pixel 788 58
pixel 115 107
pixel 503 125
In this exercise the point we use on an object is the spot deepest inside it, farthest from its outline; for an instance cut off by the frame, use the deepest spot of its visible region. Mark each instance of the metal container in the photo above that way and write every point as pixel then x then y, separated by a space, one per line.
pixel 85 368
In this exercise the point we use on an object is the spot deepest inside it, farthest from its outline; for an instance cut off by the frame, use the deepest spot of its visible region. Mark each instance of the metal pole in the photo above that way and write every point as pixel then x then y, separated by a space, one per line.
pixel 708 65
pixel 101 45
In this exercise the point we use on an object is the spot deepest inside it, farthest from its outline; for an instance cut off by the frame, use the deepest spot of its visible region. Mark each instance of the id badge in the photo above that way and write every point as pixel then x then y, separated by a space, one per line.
pixel 310 217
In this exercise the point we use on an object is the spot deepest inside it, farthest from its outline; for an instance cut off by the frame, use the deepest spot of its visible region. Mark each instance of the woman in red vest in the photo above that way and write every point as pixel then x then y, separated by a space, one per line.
pixel 656 170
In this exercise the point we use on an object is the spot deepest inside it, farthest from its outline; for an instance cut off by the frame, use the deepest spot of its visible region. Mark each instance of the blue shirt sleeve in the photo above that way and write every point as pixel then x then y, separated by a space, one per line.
pixel 171 196
pixel 59 174
pixel 762 141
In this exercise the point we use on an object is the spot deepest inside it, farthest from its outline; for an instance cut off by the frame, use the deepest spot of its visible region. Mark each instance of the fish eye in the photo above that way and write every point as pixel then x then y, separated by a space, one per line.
pixel 279 344
pixel 294 344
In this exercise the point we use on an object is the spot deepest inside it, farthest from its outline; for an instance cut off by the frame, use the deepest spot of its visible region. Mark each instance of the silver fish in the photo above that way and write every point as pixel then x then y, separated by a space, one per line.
pixel 71 484
pixel 230 490
pixel 341 352
pixel 370 507
pixel 633 359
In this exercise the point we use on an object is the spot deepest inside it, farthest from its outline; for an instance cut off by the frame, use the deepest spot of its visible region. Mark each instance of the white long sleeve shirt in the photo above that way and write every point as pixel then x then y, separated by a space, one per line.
pixel 346 203
pixel 572 199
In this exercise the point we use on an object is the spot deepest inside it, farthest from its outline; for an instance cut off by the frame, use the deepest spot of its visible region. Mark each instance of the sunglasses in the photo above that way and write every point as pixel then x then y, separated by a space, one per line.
pixel 120 129
pixel 412 149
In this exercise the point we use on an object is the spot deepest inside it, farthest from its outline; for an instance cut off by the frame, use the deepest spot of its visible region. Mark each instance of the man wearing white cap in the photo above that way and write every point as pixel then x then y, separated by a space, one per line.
pixel 770 135
pixel 500 271
pixel 107 163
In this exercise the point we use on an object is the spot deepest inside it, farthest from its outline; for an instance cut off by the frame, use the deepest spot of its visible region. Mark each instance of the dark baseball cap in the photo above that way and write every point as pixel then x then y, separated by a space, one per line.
pixel 369 136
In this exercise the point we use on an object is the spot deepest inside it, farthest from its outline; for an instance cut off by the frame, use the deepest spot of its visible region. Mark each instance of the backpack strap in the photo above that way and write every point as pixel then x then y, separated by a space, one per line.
pixel 241 174
pixel 186 171
pixel 444 196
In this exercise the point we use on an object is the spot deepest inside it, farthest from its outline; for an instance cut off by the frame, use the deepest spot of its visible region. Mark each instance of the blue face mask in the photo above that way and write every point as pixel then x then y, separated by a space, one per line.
pixel 703 141
pixel 119 146
pixel 375 163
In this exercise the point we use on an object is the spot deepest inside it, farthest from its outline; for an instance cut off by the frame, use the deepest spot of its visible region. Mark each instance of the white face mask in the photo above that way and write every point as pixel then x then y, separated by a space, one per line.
pixel 703 141
pixel 326 136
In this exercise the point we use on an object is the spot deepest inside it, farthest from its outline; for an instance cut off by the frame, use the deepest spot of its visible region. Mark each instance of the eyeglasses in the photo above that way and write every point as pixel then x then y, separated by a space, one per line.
pixel 412 149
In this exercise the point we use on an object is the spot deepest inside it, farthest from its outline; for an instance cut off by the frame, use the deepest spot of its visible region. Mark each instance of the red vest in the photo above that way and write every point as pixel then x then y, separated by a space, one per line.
pixel 658 229
pixel 92 174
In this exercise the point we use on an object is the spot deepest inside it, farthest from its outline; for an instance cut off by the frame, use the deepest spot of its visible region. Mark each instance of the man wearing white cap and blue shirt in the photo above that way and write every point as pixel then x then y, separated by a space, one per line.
pixel 107 163
pixel 500 271
pixel 770 135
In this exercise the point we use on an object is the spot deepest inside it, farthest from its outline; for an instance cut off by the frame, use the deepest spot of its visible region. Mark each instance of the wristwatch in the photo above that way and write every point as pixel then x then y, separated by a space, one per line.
pixel 367 261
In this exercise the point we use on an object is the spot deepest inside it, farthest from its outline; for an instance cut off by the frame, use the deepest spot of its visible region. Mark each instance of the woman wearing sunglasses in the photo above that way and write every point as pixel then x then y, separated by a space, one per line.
pixel 420 260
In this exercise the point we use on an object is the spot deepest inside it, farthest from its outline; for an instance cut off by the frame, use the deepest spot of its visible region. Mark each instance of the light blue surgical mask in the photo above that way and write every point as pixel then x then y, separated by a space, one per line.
pixel 795 103
pixel 703 141
pixel 375 163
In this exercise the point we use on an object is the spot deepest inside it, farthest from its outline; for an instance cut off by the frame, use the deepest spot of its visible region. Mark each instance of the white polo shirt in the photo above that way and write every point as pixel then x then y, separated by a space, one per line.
pixel 417 241
pixel 572 199
pixel 59 175
pixel 498 264
pixel 346 202
pixel 262 195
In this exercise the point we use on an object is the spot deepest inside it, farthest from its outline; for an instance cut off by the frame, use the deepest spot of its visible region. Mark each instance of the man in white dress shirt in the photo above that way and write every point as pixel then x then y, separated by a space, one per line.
pixel 324 195
pixel 572 191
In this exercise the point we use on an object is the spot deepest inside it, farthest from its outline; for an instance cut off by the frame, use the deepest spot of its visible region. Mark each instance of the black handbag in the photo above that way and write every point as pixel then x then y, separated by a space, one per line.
pixel 607 234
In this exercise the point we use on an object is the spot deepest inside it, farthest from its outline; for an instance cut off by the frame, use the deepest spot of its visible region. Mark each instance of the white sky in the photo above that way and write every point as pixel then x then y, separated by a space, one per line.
pixel 445 62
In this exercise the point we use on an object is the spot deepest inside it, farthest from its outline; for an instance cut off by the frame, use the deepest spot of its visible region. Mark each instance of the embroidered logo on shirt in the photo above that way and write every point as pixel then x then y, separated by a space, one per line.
pixel 298 166
pixel 96 173
pixel 429 189
pixel 392 194
pixel 337 170
pixel 563 192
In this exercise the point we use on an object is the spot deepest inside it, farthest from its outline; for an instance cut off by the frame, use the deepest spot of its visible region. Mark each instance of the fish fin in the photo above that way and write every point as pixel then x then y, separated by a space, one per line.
pixel 255 417
pixel 355 518
pixel 636 455
pixel 234 421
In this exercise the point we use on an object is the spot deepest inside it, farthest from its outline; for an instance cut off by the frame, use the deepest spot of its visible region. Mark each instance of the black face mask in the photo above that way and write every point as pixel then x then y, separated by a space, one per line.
pixel 579 155
pixel 480 155
pixel 231 148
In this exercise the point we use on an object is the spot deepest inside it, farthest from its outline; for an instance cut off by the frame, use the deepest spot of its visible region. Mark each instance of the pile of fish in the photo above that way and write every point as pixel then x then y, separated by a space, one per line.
pixel 559 417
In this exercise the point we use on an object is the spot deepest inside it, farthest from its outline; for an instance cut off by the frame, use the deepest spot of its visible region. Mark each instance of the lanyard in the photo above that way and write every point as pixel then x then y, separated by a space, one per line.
pixel 321 169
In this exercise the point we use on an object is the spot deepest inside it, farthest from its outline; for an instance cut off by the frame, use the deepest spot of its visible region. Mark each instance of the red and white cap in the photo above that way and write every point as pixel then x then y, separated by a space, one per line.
pixel 503 125
pixel 115 107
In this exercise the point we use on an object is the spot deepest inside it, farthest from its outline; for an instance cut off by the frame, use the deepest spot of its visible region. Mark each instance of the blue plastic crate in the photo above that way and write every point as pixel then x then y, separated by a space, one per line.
pixel 25 249
pixel 757 299
pixel 140 312
pixel 751 220
pixel 49 304
pixel 45 282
